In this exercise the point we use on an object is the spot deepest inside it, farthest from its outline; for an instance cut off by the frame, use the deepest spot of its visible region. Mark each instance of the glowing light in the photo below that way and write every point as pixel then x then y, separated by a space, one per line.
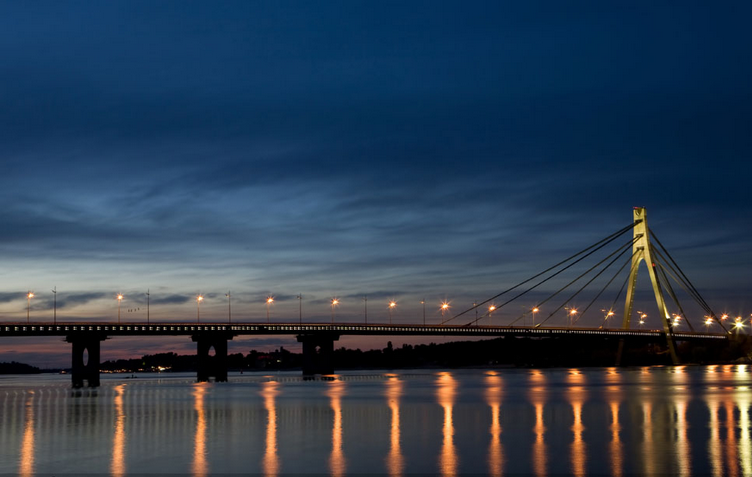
pixel 739 324
pixel 335 302
pixel 709 321
pixel 119 297
pixel 573 311
pixel 392 304
pixel 270 299
pixel 445 306
pixel 30 295
pixel 724 316
pixel 535 310
pixel 491 308
pixel 610 313
pixel 199 298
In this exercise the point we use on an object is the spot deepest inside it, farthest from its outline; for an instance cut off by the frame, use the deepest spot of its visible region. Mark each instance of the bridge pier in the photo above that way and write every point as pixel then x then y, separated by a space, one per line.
pixel 211 366
pixel 88 371
pixel 318 351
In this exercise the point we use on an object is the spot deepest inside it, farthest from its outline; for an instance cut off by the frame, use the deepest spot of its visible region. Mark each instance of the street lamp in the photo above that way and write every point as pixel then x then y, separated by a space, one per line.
pixel 119 299
pixel 535 310
pixel 365 307
pixel 738 325
pixel 335 302
pixel 571 312
pixel 642 318
pixel 229 306
pixel 300 308
pixel 423 302
pixel 199 299
pixel 29 296
pixel 708 322
pixel 54 305
pixel 609 314
pixel 444 308
pixel 491 309
pixel 392 304
pixel 269 301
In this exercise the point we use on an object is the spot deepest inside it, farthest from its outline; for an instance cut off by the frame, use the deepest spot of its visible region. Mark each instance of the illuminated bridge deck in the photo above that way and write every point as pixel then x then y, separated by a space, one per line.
pixel 342 329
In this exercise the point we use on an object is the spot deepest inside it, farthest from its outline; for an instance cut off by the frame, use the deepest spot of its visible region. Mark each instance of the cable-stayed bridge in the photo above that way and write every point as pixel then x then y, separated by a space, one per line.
pixel 611 278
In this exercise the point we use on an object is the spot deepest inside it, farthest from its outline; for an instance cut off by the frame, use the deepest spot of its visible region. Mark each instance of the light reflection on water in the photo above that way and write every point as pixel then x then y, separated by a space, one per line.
pixel 337 462
pixel 681 420
pixel 445 391
pixel 269 390
pixel 395 460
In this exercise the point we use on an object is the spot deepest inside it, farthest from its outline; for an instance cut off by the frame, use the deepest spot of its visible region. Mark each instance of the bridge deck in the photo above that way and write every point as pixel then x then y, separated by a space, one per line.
pixel 237 329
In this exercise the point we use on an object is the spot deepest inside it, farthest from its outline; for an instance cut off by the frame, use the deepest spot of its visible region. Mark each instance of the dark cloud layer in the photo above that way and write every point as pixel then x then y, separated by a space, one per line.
pixel 432 149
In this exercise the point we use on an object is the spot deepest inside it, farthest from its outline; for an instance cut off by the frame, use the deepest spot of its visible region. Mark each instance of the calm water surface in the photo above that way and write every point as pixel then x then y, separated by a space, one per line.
pixel 678 420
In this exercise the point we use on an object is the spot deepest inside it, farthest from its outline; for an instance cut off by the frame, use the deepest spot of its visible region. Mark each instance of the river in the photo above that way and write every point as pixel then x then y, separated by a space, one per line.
pixel 617 421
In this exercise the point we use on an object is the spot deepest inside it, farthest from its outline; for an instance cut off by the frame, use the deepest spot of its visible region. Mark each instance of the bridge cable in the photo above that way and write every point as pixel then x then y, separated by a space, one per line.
pixel 624 247
pixel 695 295
pixel 600 244
pixel 655 237
pixel 626 280
pixel 669 270
pixel 681 281
pixel 667 285
pixel 607 285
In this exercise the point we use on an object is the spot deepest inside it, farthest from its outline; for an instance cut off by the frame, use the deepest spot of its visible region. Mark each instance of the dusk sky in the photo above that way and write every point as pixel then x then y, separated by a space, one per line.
pixel 399 150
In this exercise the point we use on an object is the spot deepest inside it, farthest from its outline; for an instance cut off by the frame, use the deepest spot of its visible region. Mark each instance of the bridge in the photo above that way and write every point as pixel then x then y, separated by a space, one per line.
pixel 318 339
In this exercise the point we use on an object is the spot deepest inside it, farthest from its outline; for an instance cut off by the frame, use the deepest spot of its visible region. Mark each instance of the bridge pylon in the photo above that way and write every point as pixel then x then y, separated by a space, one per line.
pixel 642 252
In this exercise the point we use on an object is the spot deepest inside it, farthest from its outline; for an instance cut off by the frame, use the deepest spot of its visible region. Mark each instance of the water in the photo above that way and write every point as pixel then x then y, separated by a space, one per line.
pixel 677 420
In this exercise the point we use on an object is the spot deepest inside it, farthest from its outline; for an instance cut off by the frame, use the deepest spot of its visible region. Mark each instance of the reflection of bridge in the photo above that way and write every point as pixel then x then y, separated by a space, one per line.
pixel 318 339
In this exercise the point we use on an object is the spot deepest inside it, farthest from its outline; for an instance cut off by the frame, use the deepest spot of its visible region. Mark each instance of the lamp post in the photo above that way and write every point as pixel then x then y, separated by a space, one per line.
pixel 229 306
pixel 423 302
pixel 148 318
pixel 608 315
pixel 572 314
pixel 29 296
pixel 335 302
pixel 54 306
pixel 365 308
pixel 269 301
pixel 444 307
pixel 199 299
pixel 300 308
pixel 642 318
pixel 119 299
pixel 535 310
pixel 392 304
pixel 491 309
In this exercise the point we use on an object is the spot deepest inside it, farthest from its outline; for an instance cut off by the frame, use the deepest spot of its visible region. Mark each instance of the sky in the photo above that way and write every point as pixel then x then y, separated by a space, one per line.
pixel 400 150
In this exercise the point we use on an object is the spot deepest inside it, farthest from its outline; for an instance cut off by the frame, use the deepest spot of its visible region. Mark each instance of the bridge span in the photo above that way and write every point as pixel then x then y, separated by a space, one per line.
pixel 317 338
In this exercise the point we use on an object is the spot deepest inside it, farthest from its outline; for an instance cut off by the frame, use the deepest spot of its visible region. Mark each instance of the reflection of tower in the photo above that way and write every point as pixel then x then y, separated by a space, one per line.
pixel 537 397
pixel 495 451
pixel 200 466
pixel 117 467
pixel 271 461
pixel 395 460
pixel 26 464
pixel 577 397
pixel 446 390
pixel 337 461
